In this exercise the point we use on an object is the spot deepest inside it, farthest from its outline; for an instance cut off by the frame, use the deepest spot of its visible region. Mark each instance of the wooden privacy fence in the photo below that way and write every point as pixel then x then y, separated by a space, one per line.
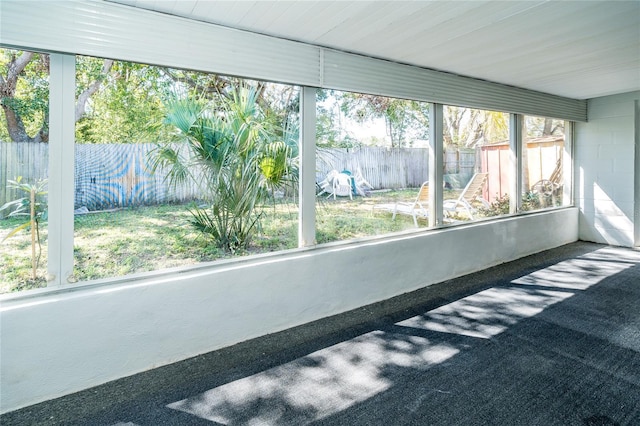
pixel 394 167
pixel 460 161
pixel 539 161
pixel 381 167
pixel 29 160
pixel 106 175
pixel 120 175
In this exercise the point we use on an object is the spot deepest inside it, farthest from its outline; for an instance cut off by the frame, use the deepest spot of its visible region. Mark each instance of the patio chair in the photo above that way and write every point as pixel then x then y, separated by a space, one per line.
pixel 471 194
pixel 342 186
pixel 338 184
pixel 419 208
pixel 326 186
pixel 361 183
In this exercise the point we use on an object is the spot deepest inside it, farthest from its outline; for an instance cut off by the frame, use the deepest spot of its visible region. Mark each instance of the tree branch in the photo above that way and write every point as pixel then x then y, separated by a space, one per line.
pixel 16 66
pixel 214 85
pixel 81 103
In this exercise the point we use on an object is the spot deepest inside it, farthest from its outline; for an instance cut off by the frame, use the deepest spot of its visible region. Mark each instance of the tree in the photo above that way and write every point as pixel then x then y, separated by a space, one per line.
pixel 405 120
pixel 542 126
pixel 128 106
pixel 24 94
pixel 467 127
pixel 279 103
pixel 215 86
pixel 330 131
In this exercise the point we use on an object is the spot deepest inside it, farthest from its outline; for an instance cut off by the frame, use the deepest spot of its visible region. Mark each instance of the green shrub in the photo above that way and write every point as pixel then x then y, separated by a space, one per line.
pixel 238 157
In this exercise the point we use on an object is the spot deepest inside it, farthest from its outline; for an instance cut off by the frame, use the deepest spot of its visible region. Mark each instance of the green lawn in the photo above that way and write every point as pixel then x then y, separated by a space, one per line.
pixel 117 243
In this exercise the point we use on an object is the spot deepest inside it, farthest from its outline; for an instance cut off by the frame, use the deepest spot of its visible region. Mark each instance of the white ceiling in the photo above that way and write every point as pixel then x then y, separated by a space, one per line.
pixel 578 49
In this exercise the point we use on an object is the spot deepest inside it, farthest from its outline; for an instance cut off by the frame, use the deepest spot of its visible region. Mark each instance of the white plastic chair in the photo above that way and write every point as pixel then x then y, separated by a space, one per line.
pixel 342 186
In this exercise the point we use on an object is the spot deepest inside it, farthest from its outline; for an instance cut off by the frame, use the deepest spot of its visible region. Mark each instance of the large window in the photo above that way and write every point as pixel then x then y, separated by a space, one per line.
pixel 177 167
pixel 372 165
pixel 24 134
pixel 477 165
pixel 542 163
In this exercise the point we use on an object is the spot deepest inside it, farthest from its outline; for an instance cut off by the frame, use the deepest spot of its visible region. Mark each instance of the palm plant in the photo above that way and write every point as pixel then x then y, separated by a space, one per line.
pixel 237 157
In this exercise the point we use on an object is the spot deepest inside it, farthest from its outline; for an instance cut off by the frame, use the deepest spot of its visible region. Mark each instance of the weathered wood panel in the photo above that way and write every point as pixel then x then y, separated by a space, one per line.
pixel 29 160
pixel 106 175
pixel 381 167
pixel 540 160
pixel 119 175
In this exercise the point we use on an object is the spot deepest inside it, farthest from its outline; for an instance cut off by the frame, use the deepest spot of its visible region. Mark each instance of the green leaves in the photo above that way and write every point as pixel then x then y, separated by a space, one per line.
pixel 168 157
pixel 274 164
pixel 183 114
pixel 235 156
pixel 16 230
pixel 22 206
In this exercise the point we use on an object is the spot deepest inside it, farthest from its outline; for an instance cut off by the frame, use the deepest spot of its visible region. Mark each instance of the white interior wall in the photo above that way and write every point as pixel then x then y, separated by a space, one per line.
pixel 56 343
pixel 606 170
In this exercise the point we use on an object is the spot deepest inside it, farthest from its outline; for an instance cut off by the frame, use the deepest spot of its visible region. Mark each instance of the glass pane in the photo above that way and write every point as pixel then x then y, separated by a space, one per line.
pixel 24 157
pixel 177 167
pixel 476 164
pixel 372 165
pixel 542 168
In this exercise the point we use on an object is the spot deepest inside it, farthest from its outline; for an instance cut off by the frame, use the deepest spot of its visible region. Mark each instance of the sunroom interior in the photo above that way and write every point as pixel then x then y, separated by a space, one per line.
pixel 574 62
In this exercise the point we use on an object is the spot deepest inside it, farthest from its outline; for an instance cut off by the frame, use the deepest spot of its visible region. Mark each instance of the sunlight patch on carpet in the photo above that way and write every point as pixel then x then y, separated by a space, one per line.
pixel 319 384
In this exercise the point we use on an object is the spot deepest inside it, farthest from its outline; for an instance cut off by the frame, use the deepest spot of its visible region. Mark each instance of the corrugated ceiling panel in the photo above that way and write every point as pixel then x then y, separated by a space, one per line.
pixel 343 71
pixel 114 31
pixel 120 32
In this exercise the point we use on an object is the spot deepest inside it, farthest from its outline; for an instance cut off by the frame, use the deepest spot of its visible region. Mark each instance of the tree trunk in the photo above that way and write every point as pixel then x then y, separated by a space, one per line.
pixel 15 126
pixel 8 85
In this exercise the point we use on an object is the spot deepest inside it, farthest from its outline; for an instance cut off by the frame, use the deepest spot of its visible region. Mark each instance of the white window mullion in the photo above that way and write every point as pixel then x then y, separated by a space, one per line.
pixel 61 168
pixel 307 178
pixel 567 165
pixel 436 163
pixel 515 145
pixel 636 198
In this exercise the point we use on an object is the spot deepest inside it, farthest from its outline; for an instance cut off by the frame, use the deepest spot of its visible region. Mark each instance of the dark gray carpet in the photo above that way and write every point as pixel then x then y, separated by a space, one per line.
pixel 551 339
